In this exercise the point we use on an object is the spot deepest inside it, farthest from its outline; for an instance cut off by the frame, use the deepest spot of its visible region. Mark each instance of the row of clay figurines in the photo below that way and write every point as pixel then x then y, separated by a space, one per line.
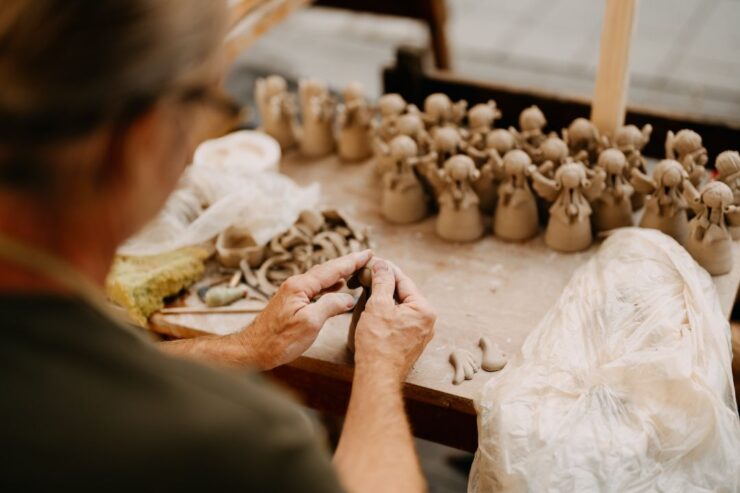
pixel 325 124
pixel 583 180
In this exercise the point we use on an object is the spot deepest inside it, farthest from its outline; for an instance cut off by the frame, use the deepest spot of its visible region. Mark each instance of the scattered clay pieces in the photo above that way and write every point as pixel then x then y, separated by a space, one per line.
pixel 235 244
pixel 493 358
pixel 709 240
pixel 464 364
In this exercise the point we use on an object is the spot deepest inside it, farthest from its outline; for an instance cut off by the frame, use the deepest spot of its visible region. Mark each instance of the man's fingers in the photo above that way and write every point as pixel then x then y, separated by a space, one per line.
pixel 405 287
pixel 329 305
pixel 384 282
pixel 323 276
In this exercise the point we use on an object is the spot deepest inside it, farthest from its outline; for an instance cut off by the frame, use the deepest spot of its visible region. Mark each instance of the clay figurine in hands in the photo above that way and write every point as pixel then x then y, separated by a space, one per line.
pixel 480 122
pixel 276 109
pixel 669 190
pixel 583 140
pixel 464 364
pixel 631 141
pixel 493 358
pixel 459 217
pixel 403 197
pixel 440 111
pixel 530 135
pixel 363 278
pixel 571 192
pixel 709 240
pixel 686 148
pixel 354 121
pixel 613 208
pixel 317 114
pixel 515 218
pixel 728 167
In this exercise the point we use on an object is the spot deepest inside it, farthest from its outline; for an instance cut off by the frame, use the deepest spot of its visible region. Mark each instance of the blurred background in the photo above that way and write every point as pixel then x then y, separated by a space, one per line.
pixel 685 54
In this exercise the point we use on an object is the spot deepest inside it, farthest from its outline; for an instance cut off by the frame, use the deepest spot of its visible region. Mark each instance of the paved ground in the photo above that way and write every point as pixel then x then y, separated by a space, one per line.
pixel 686 54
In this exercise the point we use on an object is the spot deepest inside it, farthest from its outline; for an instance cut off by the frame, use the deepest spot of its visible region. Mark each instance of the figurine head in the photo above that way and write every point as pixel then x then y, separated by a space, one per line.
pixel 571 175
pixel 353 92
pixel 669 173
pixel 727 163
pixel 629 136
pixel 500 139
pixel 581 132
pixel 612 161
pixel 481 115
pixel 391 104
pixel 410 124
pixel 532 118
pixel 554 149
pixel 460 167
pixel 312 87
pixel 274 85
pixel 438 105
pixel 686 141
pixel 716 195
pixel 446 139
pixel 516 162
pixel 403 147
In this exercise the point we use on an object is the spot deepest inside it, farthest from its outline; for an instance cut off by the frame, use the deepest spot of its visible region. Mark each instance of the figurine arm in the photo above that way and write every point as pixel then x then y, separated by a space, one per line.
pixel 692 196
pixel 596 185
pixel 642 182
pixel 546 188
pixel 733 215
pixel 669 152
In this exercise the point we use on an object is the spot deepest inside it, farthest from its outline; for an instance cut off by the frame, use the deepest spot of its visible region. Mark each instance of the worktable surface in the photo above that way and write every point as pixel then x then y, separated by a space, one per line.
pixel 488 287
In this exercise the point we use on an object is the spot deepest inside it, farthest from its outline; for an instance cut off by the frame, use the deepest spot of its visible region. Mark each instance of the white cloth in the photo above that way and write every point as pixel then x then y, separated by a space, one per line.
pixel 624 386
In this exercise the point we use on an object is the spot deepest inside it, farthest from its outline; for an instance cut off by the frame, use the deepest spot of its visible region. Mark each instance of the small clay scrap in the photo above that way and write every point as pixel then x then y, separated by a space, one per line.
pixel 277 109
pixel 317 115
pixel 224 295
pixel 464 364
pixel 493 358
pixel 234 244
pixel 686 148
pixel 669 192
pixel 317 236
pixel 355 124
pixel 709 240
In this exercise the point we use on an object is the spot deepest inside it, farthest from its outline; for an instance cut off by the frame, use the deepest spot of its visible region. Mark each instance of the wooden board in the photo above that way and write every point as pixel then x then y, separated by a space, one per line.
pixel 488 287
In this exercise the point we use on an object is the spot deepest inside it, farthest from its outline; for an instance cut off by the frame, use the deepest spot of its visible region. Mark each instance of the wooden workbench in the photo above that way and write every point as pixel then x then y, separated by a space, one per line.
pixel 488 287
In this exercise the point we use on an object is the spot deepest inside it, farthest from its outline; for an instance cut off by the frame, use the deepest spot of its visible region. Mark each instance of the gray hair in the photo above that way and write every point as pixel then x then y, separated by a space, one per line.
pixel 67 66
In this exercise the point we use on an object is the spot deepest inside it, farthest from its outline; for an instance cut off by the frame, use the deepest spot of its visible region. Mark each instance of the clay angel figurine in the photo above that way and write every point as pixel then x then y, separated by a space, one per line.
pixel 403 198
pixel 459 217
pixel 317 114
pixel 411 125
pixel 276 109
pixel 489 162
pixel 354 121
pixel 555 153
pixel 480 122
pixel 669 191
pixel 440 111
pixel 515 218
pixel 390 108
pixel 709 240
pixel 631 141
pixel 571 194
pixel 530 135
pixel 727 165
pixel 686 148
pixel 613 208
pixel 583 140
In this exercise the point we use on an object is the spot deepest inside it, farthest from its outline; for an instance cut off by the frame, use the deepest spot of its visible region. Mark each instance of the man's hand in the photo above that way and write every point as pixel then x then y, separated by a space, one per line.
pixel 290 322
pixel 390 337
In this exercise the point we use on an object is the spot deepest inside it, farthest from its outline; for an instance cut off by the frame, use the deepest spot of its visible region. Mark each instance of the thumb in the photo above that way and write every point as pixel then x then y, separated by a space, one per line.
pixel 328 306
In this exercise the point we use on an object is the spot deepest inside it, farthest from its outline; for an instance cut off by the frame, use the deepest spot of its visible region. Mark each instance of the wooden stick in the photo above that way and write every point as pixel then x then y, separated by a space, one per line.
pixel 194 310
pixel 267 16
pixel 612 76
pixel 241 9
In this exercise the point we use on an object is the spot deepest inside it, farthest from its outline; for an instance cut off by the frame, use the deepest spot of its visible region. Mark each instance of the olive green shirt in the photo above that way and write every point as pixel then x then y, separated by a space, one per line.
pixel 85 404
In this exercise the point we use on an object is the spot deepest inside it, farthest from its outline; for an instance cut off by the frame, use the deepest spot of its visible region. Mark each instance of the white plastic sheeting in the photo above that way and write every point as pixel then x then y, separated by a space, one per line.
pixel 624 386
pixel 232 182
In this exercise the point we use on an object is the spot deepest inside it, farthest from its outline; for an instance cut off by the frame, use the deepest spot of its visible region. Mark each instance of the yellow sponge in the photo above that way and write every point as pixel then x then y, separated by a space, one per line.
pixel 140 284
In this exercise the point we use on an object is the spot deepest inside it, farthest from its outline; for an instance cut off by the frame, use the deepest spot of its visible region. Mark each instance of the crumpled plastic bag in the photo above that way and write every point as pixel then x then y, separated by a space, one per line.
pixel 624 386
pixel 215 194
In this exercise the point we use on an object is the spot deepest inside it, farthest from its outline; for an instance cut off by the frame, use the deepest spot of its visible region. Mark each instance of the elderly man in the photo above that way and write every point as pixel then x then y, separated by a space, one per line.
pixel 96 104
